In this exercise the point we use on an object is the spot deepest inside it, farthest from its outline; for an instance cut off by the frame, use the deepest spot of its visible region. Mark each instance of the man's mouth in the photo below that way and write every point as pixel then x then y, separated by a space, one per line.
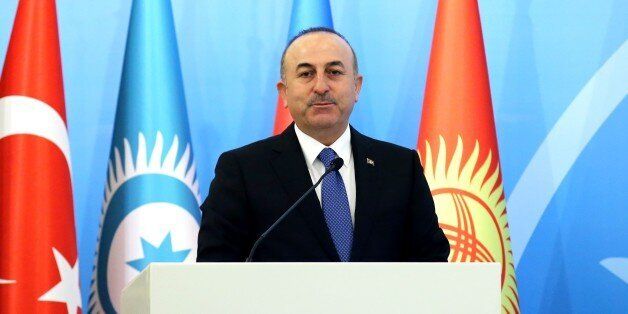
pixel 323 104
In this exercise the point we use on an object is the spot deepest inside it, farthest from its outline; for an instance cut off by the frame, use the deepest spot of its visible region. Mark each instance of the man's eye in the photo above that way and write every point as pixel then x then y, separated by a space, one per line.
pixel 305 74
pixel 335 72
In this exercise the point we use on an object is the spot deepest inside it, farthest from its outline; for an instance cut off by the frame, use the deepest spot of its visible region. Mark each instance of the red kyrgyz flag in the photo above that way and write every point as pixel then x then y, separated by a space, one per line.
pixel 38 257
pixel 458 146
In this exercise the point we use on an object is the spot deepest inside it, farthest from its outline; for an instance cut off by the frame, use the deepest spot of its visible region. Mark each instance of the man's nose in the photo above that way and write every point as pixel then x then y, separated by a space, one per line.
pixel 321 86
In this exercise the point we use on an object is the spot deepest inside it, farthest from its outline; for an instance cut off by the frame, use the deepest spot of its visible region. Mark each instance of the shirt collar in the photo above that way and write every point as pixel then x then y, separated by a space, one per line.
pixel 311 147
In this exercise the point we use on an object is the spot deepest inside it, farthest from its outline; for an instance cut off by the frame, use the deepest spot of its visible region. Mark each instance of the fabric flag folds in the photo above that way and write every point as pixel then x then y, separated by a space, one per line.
pixel 39 264
pixel 458 146
pixel 305 14
pixel 150 209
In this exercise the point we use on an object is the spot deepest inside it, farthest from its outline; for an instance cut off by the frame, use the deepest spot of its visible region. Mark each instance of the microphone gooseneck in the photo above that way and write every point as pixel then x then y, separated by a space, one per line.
pixel 335 165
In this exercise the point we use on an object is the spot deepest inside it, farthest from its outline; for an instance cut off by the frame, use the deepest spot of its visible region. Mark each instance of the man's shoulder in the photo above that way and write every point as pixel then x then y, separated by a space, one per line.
pixel 256 148
pixel 385 148
pixel 390 147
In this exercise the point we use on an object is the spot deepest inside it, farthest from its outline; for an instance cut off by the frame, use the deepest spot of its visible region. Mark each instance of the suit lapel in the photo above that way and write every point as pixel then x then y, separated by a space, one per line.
pixel 291 170
pixel 367 186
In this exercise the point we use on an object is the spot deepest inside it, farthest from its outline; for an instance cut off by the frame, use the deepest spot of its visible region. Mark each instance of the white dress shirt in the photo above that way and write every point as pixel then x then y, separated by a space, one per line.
pixel 342 146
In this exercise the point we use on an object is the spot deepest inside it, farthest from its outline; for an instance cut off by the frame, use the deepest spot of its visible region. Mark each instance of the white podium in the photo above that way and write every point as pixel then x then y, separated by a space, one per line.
pixel 315 288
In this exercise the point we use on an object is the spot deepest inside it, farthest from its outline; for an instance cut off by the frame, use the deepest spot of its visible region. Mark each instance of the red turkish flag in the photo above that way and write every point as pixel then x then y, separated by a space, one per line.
pixel 38 255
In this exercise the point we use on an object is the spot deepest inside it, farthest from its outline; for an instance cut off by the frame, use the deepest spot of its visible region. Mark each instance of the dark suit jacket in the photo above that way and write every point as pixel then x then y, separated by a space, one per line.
pixel 255 184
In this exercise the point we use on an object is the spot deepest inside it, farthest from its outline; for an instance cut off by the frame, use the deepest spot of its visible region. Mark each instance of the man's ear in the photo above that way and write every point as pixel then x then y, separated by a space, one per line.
pixel 358 86
pixel 281 90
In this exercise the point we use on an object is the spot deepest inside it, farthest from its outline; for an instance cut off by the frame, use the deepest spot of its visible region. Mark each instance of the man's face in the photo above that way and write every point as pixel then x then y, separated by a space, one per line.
pixel 319 86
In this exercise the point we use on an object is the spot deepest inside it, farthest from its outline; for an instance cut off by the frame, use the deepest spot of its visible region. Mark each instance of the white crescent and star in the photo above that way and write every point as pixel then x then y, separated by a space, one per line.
pixel 30 116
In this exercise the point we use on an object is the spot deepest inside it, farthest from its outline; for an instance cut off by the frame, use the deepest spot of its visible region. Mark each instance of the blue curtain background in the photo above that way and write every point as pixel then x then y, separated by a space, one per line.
pixel 541 54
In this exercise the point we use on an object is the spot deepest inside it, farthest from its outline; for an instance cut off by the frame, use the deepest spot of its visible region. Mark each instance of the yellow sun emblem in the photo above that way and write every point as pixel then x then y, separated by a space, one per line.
pixel 471 211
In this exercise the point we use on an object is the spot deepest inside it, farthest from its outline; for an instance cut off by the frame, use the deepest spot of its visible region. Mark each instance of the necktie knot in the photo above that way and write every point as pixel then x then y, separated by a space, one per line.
pixel 326 156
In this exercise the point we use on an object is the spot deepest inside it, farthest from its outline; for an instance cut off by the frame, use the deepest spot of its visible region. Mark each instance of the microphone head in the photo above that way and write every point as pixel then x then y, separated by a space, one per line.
pixel 336 164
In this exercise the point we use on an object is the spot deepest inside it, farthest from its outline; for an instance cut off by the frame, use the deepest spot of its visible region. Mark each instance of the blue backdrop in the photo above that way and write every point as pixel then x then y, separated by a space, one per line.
pixel 559 78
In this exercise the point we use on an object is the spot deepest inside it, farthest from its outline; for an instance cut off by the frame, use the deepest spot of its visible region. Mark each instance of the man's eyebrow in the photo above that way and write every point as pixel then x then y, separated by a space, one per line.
pixel 304 65
pixel 335 63
pixel 329 64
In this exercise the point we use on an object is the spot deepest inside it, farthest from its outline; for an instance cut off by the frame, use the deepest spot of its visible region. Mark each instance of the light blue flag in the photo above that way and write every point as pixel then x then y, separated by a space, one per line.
pixel 150 210
pixel 309 13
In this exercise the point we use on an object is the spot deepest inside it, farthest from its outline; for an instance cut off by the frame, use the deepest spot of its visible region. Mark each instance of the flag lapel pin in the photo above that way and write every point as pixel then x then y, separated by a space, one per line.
pixel 370 162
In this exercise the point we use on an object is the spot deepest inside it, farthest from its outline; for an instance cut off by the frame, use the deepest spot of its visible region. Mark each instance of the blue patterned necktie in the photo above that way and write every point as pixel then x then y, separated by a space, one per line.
pixel 336 207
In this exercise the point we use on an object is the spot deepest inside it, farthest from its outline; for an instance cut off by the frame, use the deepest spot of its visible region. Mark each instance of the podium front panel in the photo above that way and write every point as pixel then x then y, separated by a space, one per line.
pixel 316 288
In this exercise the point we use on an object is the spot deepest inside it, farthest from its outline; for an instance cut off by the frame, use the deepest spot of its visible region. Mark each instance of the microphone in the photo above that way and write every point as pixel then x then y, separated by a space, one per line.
pixel 335 165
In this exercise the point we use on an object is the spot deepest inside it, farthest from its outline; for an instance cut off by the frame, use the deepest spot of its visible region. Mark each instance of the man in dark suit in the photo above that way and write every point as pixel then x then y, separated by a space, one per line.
pixel 377 207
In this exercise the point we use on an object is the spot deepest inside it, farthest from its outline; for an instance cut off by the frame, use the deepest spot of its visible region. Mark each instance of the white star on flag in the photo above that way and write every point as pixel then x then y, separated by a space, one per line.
pixel 67 290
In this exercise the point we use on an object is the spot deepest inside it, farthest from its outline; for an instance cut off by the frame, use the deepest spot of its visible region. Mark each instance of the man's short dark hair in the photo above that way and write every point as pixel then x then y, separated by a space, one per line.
pixel 282 69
